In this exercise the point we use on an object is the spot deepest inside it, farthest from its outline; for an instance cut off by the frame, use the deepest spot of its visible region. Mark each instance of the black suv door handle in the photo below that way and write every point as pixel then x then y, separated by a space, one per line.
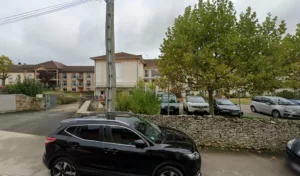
pixel 114 151
pixel 73 145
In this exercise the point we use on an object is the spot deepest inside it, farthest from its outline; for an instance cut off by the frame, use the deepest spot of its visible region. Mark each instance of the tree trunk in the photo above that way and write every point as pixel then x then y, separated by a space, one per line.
pixel 3 82
pixel 211 101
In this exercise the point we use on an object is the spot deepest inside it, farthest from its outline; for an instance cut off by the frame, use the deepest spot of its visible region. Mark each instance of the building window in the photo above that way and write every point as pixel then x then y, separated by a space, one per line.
pixel 10 79
pixel 153 73
pixel 88 76
pixel 74 89
pixel 18 78
pixel 119 71
pixel 146 73
pixel 80 84
pixel 122 135
pixel 73 75
pixel 64 75
pixel 88 83
pixel 73 83
pixel 80 76
pixel 65 83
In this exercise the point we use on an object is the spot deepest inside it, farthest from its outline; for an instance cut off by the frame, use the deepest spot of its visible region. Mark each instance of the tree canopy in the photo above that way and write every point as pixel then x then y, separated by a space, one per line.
pixel 5 62
pixel 210 48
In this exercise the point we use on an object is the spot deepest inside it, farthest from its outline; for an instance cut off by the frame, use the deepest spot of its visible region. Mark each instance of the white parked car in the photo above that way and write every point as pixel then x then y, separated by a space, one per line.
pixel 275 106
pixel 195 104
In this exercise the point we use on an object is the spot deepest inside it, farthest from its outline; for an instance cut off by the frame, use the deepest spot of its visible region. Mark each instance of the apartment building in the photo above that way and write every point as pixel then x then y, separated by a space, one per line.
pixel 66 78
pixel 150 70
pixel 129 69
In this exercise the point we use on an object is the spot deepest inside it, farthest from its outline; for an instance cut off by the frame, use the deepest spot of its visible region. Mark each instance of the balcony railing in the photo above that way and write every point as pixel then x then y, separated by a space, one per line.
pixel 119 84
pixel 88 85
pixel 80 85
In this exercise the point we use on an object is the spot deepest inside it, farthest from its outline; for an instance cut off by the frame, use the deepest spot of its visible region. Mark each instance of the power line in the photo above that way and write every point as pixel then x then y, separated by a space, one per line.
pixel 42 11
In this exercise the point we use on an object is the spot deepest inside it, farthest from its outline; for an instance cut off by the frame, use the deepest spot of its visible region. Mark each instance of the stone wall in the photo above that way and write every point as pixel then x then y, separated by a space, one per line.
pixel 26 103
pixel 235 133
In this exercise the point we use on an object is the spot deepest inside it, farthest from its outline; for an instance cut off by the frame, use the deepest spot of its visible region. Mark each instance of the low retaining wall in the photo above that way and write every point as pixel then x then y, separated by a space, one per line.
pixel 20 102
pixel 235 133
pixel 26 103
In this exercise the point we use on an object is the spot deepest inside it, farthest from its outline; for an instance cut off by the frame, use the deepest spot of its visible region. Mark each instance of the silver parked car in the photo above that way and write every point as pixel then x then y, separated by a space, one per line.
pixel 195 104
pixel 275 106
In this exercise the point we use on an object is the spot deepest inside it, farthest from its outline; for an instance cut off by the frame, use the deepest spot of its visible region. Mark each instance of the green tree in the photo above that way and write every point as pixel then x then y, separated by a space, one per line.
pixel 162 82
pixel 5 63
pixel 208 48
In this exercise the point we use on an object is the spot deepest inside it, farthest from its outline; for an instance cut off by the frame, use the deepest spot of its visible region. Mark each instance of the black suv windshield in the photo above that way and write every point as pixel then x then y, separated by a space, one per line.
pixel 149 129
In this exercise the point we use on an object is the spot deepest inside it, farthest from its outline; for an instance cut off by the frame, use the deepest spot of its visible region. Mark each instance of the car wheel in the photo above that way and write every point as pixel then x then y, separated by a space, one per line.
pixel 276 114
pixel 253 109
pixel 168 171
pixel 63 166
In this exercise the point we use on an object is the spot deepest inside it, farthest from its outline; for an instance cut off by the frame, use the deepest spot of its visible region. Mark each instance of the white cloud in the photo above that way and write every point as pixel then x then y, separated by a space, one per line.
pixel 74 35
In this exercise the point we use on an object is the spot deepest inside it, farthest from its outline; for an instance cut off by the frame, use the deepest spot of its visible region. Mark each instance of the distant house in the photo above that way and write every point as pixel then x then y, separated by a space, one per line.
pixel 129 69
pixel 150 70
pixel 66 78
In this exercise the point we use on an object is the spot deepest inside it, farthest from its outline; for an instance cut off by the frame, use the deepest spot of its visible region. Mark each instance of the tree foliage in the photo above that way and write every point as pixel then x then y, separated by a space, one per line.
pixel 5 62
pixel 208 47
pixel 45 76
pixel 28 87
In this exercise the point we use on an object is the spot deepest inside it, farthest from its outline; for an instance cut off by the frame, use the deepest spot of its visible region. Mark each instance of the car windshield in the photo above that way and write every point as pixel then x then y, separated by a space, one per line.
pixel 171 100
pixel 196 99
pixel 283 101
pixel 224 102
pixel 148 129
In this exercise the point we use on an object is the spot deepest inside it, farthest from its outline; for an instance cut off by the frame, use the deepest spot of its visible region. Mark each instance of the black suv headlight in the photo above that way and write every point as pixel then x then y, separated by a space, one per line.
pixel 193 156
pixel 290 143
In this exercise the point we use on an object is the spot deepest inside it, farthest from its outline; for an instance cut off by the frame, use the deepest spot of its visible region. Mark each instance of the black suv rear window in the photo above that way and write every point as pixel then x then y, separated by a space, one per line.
pixel 85 132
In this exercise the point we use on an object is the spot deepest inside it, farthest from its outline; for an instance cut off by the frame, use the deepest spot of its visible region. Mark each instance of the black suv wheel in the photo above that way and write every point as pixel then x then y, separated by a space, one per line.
pixel 63 166
pixel 168 171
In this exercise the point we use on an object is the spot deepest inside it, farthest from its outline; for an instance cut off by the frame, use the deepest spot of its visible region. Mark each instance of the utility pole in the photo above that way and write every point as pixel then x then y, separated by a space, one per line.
pixel 110 104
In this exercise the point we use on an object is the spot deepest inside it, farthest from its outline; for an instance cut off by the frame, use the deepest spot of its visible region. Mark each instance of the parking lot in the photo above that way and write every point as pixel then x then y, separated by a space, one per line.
pixel 245 108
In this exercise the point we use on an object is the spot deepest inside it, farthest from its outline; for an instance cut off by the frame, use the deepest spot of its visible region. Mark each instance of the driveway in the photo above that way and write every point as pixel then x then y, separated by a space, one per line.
pixel 39 123
pixel 247 112
pixel 21 155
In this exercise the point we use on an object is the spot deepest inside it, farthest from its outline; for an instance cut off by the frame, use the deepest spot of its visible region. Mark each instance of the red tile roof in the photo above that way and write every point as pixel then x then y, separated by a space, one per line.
pixel 120 55
pixel 51 65
pixel 150 63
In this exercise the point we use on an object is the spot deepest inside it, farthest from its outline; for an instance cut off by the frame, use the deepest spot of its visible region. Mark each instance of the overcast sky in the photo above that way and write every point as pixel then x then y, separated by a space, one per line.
pixel 74 35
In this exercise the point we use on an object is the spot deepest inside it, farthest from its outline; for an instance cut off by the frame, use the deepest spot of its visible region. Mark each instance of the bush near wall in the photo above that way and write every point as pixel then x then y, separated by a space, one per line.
pixel 139 101
pixel 289 94
pixel 28 87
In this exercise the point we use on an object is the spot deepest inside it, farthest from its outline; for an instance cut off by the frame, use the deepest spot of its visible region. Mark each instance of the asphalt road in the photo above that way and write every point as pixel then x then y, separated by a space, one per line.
pixel 21 155
pixel 37 123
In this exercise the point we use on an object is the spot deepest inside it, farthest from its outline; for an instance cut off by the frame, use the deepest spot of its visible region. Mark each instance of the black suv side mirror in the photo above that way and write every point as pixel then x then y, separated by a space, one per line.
pixel 139 144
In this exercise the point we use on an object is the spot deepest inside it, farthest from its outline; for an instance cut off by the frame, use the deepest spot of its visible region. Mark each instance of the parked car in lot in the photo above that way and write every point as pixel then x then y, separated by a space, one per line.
pixel 275 106
pixel 297 102
pixel 170 101
pixel 120 144
pixel 223 106
pixel 195 104
pixel 292 154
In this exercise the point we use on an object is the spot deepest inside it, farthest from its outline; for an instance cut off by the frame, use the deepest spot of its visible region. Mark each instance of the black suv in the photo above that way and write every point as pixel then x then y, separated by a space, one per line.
pixel 120 144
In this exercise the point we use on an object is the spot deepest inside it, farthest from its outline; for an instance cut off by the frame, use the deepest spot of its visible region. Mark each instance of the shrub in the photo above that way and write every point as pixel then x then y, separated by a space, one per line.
pixel 139 101
pixel 65 100
pixel 28 87
pixel 288 94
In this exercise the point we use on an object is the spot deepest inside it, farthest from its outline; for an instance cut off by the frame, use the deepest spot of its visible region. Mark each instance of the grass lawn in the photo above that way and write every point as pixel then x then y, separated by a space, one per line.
pixel 244 101
pixel 68 94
